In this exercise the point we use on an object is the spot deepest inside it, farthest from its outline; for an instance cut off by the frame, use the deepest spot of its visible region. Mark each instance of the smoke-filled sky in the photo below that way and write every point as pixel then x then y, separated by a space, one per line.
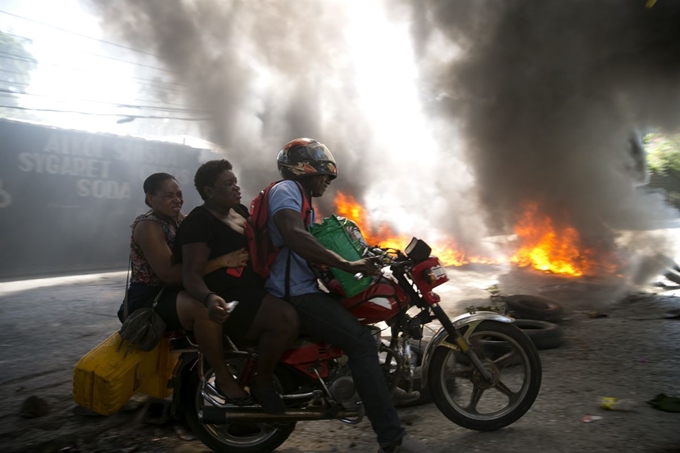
pixel 458 112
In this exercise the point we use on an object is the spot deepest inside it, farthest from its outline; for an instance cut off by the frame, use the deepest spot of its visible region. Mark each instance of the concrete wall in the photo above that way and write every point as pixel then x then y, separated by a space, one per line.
pixel 67 198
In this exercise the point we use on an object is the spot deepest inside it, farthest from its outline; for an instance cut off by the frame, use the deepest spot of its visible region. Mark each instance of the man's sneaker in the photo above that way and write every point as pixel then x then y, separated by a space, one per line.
pixel 401 397
pixel 409 445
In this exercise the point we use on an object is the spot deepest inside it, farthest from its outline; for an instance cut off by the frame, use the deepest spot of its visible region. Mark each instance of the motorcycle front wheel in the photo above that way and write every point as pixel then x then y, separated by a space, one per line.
pixel 466 398
pixel 229 438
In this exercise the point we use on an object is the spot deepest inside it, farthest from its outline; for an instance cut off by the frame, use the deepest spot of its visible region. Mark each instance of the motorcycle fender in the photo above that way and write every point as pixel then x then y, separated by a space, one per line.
pixel 440 339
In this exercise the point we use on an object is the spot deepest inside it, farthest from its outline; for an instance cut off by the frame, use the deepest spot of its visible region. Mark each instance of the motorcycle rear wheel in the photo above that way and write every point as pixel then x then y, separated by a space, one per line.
pixel 487 406
pixel 229 438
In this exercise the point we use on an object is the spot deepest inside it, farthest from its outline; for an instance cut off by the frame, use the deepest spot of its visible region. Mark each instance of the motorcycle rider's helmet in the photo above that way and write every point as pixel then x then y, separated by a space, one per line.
pixel 305 157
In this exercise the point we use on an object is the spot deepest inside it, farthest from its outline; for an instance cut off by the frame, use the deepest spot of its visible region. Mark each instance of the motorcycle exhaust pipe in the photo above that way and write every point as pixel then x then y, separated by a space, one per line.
pixel 212 415
pixel 293 397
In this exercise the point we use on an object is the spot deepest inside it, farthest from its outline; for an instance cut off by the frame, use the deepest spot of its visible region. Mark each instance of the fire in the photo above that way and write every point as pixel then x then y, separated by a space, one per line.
pixel 449 253
pixel 551 249
pixel 542 245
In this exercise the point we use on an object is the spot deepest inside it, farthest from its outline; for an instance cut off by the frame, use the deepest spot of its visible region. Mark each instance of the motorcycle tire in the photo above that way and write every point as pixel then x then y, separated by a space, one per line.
pixel 444 368
pixel 526 306
pixel 241 438
pixel 495 347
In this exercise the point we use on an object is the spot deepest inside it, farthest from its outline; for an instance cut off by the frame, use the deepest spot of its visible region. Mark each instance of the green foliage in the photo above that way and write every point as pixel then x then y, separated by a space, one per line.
pixel 663 153
pixel 17 64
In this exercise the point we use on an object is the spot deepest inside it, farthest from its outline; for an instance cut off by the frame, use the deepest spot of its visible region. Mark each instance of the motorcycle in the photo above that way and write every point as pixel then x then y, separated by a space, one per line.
pixel 482 372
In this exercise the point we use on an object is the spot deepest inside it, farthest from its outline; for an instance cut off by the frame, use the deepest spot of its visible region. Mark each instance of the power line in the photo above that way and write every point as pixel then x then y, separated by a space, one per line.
pixel 13 72
pixel 99 55
pixel 185 108
pixel 33 60
pixel 14 56
pixel 9 54
pixel 25 38
pixel 104 114
pixel 77 34
pixel 150 83
pixel 15 83
pixel 132 106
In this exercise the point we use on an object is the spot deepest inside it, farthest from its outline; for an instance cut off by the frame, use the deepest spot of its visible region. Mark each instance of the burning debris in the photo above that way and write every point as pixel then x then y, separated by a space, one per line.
pixel 449 252
pixel 539 244
pixel 498 102
pixel 559 250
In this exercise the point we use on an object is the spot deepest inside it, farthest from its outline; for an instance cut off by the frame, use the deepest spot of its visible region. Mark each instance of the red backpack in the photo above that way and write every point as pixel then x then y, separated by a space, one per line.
pixel 260 247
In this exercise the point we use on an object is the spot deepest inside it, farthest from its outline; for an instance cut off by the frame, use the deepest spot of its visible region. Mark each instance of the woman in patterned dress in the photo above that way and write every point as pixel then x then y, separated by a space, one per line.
pixel 153 266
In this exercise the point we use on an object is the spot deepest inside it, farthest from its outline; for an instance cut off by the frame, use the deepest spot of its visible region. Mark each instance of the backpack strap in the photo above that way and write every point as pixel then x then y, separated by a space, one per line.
pixel 306 212
pixel 286 296
pixel 307 208
pixel 127 289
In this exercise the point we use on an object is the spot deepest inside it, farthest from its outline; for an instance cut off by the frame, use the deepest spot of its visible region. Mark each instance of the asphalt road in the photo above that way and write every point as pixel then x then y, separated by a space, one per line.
pixel 634 352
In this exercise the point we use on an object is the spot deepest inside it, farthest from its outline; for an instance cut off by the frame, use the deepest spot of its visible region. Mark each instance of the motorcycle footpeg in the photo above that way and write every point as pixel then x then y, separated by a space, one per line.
pixel 303 396
pixel 216 400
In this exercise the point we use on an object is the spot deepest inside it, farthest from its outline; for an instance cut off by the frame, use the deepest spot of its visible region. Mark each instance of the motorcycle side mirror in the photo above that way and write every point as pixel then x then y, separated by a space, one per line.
pixel 417 250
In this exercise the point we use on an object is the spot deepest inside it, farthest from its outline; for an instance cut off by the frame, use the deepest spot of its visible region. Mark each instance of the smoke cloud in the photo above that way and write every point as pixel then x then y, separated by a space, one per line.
pixel 548 94
pixel 264 70
pixel 521 100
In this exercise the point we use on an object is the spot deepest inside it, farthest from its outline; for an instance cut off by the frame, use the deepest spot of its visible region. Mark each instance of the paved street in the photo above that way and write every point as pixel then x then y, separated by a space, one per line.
pixel 46 326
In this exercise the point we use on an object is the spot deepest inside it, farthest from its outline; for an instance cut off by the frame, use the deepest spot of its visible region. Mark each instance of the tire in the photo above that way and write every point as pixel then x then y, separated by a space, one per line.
pixel 534 307
pixel 496 348
pixel 673 275
pixel 456 404
pixel 544 335
pixel 241 438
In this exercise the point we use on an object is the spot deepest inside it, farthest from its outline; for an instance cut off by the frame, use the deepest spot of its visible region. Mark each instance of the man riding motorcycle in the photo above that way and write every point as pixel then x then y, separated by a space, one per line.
pixel 311 164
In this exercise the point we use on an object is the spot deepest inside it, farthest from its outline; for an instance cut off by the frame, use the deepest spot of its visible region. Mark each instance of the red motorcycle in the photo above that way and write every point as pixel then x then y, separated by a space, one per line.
pixel 482 371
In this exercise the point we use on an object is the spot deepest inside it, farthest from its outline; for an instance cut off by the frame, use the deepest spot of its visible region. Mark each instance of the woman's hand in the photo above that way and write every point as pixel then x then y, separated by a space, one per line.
pixel 239 258
pixel 218 311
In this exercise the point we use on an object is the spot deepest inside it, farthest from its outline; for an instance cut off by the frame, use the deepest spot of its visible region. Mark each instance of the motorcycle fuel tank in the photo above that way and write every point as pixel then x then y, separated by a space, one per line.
pixel 379 302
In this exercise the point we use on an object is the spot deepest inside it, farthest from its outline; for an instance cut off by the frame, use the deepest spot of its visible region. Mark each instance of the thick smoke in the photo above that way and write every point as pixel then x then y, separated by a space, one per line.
pixel 548 93
pixel 526 100
pixel 263 70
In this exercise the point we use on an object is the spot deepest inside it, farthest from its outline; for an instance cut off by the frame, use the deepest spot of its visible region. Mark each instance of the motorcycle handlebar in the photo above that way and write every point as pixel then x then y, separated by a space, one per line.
pixel 388 257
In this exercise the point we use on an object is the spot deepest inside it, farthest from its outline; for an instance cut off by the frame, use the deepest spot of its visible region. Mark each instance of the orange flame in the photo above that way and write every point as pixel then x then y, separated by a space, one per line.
pixel 543 246
pixel 557 250
pixel 449 253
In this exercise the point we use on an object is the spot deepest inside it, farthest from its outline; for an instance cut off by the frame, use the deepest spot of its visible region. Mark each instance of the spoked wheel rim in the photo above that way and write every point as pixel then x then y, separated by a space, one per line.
pixel 474 397
pixel 236 434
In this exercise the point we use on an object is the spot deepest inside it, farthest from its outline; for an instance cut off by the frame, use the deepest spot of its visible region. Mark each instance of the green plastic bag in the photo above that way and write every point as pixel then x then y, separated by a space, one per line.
pixel 344 238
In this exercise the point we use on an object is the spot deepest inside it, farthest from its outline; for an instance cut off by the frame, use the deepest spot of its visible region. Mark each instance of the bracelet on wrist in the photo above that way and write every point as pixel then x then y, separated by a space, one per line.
pixel 205 299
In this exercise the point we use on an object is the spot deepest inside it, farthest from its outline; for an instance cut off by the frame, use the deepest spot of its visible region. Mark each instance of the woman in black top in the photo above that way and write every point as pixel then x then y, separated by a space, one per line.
pixel 211 230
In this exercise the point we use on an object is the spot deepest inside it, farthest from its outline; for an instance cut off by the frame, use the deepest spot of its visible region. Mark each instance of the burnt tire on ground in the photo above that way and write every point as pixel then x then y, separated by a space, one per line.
pixel 673 275
pixel 544 335
pixel 526 306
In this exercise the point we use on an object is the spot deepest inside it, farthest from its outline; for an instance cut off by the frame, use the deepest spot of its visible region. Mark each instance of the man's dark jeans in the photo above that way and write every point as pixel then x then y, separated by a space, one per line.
pixel 325 319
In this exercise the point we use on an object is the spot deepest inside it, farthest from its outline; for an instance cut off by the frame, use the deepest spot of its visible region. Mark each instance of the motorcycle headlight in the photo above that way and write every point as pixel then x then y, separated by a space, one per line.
pixel 417 250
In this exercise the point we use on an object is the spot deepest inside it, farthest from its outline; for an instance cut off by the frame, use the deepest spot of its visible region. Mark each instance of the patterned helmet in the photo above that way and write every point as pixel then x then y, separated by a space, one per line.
pixel 304 157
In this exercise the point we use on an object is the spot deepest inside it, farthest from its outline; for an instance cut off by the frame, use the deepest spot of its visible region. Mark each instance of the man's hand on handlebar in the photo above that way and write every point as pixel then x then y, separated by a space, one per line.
pixel 365 266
